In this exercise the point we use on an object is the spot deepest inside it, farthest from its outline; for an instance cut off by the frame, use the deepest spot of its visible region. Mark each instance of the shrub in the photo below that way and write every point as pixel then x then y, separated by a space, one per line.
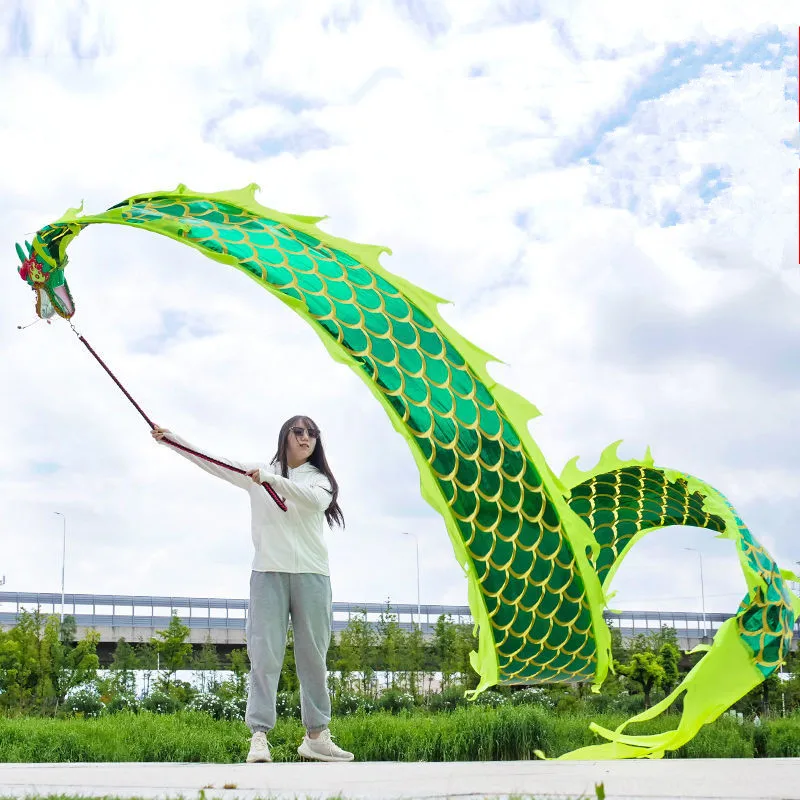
pixel 782 737
pixel 182 691
pixel 447 700
pixel 122 703
pixel 724 738
pixel 287 704
pixel 236 708
pixel 208 703
pixel 568 704
pixel 160 703
pixel 394 701
pixel 84 703
pixel 491 699
pixel 533 696
pixel 216 707
pixel 344 704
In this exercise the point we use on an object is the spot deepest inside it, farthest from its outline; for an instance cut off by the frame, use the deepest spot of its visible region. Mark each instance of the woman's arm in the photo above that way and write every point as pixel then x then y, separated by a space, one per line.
pixel 243 481
pixel 316 497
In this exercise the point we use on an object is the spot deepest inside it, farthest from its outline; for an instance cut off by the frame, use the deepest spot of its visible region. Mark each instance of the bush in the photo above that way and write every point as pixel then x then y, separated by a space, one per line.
pixel 394 701
pixel 724 738
pixel 159 703
pixel 122 703
pixel 208 703
pixel 447 700
pixel 344 704
pixel 287 704
pixel 231 690
pixel 491 699
pixel 532 696
pixel 568 704
pixel 84 703
pixel 182 691
pixel 782 737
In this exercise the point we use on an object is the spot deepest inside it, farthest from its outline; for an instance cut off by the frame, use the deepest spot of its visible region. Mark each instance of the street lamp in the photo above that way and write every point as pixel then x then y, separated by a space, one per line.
pixel 63 559
pixel 419 611
pixel 702 588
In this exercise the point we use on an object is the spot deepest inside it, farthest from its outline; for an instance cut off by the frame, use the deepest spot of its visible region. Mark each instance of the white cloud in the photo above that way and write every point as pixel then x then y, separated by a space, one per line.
pixel 464 177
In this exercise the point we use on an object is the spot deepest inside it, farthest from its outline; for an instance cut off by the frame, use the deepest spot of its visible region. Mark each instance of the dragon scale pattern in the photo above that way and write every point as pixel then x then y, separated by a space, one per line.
pixel 534 595
pixel 619 504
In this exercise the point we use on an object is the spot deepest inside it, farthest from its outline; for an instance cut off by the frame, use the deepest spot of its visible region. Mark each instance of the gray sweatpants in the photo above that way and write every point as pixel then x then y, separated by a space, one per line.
pixel 274 596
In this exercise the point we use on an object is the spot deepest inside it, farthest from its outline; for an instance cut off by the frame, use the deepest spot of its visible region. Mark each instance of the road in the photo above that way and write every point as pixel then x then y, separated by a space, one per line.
pixel 700 779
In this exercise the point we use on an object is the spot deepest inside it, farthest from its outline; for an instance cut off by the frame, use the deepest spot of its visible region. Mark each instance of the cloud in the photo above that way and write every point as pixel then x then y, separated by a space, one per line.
pixel 608 197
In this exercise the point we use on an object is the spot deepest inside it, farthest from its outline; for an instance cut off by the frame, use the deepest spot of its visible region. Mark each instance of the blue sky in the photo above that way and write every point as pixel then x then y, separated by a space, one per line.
pixel 681 64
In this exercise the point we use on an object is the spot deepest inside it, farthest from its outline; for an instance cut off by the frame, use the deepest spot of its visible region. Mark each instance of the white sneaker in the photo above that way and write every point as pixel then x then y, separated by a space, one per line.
pixel 259 748
pixel 323 748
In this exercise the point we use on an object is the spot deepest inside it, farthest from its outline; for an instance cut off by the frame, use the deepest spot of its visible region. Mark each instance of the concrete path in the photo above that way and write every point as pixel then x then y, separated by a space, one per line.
pixel 731 779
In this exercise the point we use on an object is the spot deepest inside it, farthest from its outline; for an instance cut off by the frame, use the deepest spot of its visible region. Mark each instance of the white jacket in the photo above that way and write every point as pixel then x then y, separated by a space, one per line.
pixel 284 541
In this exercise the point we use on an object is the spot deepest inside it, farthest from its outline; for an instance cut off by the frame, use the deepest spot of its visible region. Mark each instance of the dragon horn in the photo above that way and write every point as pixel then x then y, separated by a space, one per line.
pixel 28 245
pixel 21 253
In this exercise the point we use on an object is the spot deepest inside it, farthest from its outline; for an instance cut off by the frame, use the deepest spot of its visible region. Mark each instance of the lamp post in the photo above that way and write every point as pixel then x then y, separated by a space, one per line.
pixel 702 588
pixel 419 607
pixel 63 558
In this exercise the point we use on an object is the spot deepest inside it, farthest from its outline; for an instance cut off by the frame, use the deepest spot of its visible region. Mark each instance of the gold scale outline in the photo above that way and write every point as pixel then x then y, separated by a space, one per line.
pixel 394 363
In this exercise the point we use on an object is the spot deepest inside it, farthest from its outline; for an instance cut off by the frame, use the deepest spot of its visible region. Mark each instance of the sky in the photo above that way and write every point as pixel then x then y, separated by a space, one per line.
pixel 605 193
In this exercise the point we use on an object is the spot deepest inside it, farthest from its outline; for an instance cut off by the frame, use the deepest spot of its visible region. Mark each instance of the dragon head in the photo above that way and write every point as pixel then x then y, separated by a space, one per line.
pixel 45 275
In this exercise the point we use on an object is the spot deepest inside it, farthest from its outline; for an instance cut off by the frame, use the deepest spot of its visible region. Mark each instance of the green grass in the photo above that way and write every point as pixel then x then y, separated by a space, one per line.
pixel 466 734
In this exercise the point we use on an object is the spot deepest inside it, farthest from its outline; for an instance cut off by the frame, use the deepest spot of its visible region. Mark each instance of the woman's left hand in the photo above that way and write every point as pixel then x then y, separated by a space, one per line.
pixel 255 475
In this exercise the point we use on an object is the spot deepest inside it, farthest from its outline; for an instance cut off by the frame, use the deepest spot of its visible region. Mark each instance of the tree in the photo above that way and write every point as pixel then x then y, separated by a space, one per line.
pixel 413 658
pixel 645 670
pixel 147 657
pixel 467 642
pixel 172 648
pixel 239 664
pixel 206 660
pixel 391 644
pixel 669 657
pixel 357 646
pixel 619 650
pixel 21 677
pixel 124 664
pixel 67 663
pixel 653 640
pixel 447 648
pixel 651 660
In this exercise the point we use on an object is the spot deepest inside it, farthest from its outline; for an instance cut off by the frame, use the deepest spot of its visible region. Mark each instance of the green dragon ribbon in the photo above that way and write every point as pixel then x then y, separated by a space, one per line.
pixel 539 550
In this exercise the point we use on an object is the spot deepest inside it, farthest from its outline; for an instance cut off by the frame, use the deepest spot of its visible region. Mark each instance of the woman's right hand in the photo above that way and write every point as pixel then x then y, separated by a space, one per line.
pixel 158 433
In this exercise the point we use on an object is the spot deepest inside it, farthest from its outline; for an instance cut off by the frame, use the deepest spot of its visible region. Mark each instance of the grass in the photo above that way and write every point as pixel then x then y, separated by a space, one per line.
pixel 466 734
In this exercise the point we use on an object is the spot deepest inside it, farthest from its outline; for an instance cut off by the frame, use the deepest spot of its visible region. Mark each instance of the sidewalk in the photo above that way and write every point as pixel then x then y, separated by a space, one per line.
pixel 701 779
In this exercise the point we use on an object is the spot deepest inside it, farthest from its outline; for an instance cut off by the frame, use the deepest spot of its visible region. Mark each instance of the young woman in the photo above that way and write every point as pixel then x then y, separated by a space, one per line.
pixel 289 579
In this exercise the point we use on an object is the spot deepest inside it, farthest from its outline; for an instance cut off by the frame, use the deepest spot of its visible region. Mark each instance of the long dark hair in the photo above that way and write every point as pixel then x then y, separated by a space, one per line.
pixel 333 514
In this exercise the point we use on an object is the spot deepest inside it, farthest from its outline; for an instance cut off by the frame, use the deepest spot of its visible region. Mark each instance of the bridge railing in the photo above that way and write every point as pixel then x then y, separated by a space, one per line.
pixel 213 613
pixel 146 611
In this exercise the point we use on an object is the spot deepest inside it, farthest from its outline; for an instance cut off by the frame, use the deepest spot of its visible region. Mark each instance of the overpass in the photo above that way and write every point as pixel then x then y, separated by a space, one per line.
pixel 222 620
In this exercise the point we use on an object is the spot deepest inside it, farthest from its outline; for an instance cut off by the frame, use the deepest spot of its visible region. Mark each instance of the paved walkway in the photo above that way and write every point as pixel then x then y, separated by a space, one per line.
pixel 701 779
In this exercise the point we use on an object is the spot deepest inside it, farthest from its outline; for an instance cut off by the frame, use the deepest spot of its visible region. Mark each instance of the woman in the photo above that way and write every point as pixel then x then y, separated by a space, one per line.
pixel 289 578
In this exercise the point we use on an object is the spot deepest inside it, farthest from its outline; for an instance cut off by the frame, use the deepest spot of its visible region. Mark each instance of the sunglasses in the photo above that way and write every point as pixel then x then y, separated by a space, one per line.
pixel 313 433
